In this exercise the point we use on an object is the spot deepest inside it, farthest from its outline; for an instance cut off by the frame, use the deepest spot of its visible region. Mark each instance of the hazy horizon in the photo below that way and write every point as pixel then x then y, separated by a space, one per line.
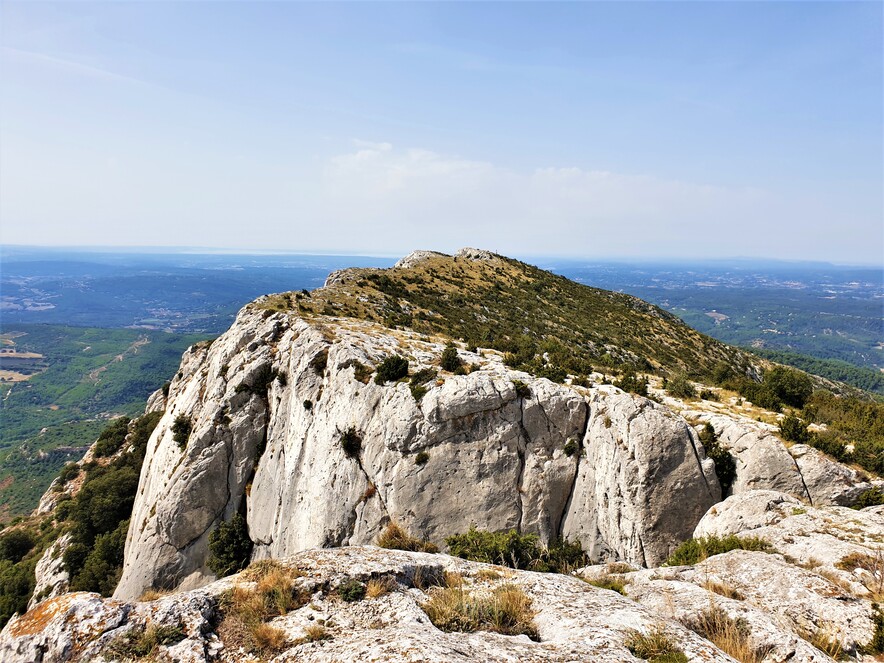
pixel 632 131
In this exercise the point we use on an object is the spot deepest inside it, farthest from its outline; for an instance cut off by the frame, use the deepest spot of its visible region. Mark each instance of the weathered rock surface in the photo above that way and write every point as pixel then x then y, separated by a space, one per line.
pixel 763 460
pixel 828 481
pixel 636 487
pixel 575 621
pixel 844 545
pixel 51 578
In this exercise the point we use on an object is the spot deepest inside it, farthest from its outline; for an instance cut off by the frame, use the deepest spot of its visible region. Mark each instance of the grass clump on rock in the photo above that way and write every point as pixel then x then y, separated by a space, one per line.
pixel 694 551
pixel 518 551
pixel 655 646
pixel 506 609
pixel 351 442
pixel 397 537
pixel 142 642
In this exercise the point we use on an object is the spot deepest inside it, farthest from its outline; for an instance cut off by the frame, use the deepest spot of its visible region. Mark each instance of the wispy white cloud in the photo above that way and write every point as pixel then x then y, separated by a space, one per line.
pixel 445 201
pixel 67 66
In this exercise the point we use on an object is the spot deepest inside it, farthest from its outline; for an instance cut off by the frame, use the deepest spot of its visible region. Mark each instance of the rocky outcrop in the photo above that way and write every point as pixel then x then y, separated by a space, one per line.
pixel 844 545
pixel 827 481
pixel 574 620
pixel 268 403
pixel 763 460
pixel 51 577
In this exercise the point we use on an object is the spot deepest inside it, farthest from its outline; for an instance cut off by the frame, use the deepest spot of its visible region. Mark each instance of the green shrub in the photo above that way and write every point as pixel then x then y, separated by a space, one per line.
pixel 308 404
pixel 229 547
pixel 632 383
pixel 423 376
pixel 725 463
pixel 319 362
pixel 351 442
pixel 694 551
pixel 351 590
pixel 522 389
pixel 794 430
pixel 571 447
pixel 68 472
pixel 112 438
pixel 15 544
pixel 181 429
pixel 871 497
pixel 422 458
pixel 789 386
pixel 519 551
pixel 392 369
pixel 450 360
pixel 417 391
pixel 680 387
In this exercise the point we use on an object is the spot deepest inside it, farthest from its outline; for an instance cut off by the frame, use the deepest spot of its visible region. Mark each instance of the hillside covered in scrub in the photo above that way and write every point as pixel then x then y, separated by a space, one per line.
pixel 606 445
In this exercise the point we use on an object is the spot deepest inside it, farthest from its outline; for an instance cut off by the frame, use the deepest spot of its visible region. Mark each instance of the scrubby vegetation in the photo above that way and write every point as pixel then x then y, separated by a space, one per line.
pixel 351 442
pixel 392 369
pixel 229 547
pixel 848 421
pixel 694 551
pixel 111 438
pixel 545 324
pixel 450 360
pixel 351 590
pixel 181 428
pixel 725 463
pixel 246 610
pixel 142 642
pixel 519 551
pixel 506 609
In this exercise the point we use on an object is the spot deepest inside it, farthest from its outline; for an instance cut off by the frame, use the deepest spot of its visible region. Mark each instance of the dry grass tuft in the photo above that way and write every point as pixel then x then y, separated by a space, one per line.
pixel 245 610
pixel 825 640
pixel 153 594
pixel 506 609
pixel 723 589
pixel 487 574
pixel 871 568
pixel 729 635
pixel 315 633
pixel 269 640
pixel 398 538
pixel 656 646
pixel 616 583
pixel 379 586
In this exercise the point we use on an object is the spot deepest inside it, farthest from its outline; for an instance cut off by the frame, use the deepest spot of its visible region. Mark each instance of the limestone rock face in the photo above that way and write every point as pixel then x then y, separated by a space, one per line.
pixel 267 405
pixel 828 481
pixel 636 453
pixel 763 461
pixel 51 578
pixel 841 544
pixel 575 621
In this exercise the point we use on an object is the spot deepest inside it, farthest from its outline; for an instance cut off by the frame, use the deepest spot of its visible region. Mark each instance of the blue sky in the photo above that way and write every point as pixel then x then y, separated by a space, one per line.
pixel 580 129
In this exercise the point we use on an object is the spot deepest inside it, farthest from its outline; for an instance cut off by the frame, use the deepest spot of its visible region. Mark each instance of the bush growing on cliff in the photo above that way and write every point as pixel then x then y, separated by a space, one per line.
pixel 229 547
pixel 519 551
pixel 15 544
pixel 632 383
pixel 794 430
pixel 181 430
pixel 397 537
pixel 725 463
pixel 351 442
pixel 450 360
pixel 391 369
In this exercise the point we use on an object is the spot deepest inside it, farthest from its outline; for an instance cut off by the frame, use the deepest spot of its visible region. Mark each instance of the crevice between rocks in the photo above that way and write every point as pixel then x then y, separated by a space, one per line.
pixel 560 530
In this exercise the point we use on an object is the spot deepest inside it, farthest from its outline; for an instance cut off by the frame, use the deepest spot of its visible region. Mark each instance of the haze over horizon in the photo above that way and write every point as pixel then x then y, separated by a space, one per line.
pixel 634 130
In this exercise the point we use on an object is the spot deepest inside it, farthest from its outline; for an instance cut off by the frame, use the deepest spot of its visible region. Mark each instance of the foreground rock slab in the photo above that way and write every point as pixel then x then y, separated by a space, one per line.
pixel 575 621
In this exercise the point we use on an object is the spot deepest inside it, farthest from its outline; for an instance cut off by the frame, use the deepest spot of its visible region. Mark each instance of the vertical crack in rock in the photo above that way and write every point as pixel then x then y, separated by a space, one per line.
pixel 692 436
pixel 521 440
pixel 560 530
pixel 801 476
